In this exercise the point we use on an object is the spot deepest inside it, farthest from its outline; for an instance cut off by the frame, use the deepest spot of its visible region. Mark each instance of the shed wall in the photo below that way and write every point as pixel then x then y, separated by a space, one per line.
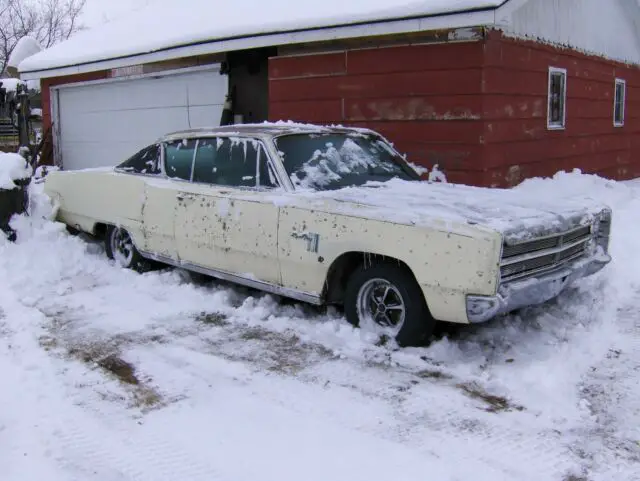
pixel 427 99
pixel 518 144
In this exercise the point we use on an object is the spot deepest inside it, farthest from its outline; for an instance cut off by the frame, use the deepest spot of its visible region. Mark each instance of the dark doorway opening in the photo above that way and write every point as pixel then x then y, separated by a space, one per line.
pixel 249 83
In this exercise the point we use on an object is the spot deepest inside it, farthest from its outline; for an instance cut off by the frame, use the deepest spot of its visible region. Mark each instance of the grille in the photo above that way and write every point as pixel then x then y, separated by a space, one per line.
pixel 551 242
pixel 542 255
pixel 535 264
pixel 527 247
pixel 578 234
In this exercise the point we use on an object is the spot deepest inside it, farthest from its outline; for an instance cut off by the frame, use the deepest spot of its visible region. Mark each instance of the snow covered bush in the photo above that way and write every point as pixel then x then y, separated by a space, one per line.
pixel 13 167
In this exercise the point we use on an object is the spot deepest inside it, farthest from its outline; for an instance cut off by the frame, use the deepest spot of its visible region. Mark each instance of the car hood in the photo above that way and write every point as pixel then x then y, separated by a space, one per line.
pixel 514 213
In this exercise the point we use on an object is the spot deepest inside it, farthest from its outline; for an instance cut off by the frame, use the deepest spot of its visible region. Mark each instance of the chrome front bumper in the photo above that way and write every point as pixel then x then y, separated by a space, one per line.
pixel 532 291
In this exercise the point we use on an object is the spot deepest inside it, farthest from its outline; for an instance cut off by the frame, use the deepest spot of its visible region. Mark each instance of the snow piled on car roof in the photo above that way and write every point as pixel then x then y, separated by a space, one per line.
pixel 165 24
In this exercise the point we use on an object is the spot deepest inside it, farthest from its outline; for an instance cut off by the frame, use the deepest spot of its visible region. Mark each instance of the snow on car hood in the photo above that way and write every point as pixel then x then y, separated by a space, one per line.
pixel 515 214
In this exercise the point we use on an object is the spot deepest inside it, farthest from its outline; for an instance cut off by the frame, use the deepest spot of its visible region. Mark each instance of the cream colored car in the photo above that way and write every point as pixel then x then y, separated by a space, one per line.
pixel 334 216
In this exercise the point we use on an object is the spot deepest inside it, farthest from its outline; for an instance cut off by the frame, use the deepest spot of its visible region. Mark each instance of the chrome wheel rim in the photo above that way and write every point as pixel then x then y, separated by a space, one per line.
pixel 122 247
pixel 381 307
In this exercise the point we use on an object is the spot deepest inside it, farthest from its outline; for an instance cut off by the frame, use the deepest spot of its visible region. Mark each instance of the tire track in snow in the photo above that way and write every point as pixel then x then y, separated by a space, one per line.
pixel 423 413
pixel 82 436
pixel 439 422
pixel 426 416
pixel 62 434
pixel 611 436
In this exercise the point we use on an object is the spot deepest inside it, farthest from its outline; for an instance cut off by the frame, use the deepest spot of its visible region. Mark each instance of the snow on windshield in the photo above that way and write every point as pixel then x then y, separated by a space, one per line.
pixel 332 161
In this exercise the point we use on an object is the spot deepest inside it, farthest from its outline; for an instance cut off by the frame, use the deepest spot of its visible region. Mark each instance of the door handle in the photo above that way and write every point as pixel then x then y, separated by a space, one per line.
pixel 184 196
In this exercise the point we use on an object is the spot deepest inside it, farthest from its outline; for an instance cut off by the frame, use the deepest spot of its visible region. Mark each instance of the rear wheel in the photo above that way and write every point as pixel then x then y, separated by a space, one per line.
pixel 119 246
pixel 386 299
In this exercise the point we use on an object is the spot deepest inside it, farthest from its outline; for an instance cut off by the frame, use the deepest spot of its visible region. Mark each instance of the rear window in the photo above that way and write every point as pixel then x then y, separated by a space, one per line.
pixel 146 161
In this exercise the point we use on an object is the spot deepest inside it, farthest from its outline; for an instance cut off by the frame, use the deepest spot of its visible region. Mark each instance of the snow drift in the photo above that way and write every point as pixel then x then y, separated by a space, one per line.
pixel 115 375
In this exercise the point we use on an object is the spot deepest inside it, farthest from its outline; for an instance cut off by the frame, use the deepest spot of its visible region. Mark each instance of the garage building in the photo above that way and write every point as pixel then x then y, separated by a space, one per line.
pixel 491 91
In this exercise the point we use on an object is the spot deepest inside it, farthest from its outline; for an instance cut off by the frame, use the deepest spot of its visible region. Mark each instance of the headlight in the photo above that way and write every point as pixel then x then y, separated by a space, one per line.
pixel 602 229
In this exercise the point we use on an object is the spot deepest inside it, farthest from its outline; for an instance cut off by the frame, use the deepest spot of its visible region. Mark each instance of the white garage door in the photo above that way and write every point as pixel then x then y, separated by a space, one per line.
pixel 102 124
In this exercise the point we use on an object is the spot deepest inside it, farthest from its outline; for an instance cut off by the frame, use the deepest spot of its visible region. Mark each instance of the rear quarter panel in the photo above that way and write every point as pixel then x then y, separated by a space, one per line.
pixel 88 197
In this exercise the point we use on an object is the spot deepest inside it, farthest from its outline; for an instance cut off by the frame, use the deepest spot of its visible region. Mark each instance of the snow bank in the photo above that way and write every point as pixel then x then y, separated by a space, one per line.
pixel 12 167
pixel 204 20
pixel 549 393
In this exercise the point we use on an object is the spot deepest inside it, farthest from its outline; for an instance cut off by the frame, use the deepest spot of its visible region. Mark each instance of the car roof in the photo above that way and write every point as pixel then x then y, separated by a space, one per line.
pixel 264 130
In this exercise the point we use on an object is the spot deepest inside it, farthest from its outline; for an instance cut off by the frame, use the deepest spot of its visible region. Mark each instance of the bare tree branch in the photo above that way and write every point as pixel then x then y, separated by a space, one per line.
pixel 47 21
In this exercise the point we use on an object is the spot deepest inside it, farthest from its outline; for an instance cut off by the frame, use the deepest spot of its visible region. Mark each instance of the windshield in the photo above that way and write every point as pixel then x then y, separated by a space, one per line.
pixel 336 160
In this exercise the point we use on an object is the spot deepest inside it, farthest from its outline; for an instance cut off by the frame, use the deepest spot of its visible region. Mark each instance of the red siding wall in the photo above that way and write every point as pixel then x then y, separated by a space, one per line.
pixel 425 98
pixel 517 142
pixel 478 109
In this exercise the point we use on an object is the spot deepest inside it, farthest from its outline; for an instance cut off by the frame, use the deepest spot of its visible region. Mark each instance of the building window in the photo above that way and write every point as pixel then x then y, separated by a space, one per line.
pixel 556 114
pixel 619 99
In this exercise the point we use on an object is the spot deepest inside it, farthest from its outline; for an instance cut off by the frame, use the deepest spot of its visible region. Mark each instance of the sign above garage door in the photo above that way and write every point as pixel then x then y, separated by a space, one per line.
pixel 100 124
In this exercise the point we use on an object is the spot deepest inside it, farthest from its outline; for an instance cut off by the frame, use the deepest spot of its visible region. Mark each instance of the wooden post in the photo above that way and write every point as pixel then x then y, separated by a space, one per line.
pixel 24 112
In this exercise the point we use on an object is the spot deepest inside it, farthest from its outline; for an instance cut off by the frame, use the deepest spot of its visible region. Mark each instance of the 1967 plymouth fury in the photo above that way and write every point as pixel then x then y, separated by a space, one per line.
pixel 332 215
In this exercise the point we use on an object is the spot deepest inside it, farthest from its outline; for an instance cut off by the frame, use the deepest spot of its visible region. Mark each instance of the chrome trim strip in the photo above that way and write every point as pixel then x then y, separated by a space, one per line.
pixel 551 236
pixel 236 279
pixel 546 269
pixel 546 252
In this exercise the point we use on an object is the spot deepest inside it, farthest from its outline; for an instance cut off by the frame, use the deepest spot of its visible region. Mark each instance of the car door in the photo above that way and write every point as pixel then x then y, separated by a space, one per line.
pixel 225 223
pixel 162 198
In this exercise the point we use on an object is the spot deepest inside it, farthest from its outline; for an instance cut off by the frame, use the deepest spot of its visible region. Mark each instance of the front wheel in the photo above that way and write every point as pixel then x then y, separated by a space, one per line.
pixel 386 299
pixel 119 247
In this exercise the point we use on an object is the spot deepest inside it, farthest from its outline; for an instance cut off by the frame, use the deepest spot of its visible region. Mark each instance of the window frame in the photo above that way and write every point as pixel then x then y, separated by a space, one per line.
pixel 619 81
pixel 260 147
pixel 562 124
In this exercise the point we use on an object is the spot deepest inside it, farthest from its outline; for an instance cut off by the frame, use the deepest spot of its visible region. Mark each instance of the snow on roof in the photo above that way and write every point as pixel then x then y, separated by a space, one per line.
pixel 166 24
pixel 26 47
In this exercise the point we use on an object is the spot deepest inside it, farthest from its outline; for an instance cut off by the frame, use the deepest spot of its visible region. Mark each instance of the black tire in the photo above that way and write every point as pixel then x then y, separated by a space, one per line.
pixel 72 231
pixel 134 260
pixel 417 322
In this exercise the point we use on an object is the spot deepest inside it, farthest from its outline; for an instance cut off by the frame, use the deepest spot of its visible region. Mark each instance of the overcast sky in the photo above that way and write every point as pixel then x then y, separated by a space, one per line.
pixel 100 11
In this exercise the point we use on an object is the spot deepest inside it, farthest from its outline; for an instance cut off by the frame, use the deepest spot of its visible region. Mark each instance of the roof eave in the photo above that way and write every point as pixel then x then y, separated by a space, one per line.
pixel 476 18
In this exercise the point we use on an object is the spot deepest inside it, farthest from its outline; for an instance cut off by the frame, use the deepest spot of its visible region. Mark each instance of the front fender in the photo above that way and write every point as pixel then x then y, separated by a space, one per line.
pixel 446 265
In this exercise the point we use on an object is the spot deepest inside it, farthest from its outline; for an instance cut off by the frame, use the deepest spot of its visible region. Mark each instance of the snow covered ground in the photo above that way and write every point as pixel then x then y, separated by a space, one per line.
pixel 110 375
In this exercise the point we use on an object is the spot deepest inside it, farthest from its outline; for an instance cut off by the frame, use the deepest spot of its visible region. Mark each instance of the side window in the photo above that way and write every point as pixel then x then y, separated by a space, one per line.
pixel 619 101
pixel 204 166
pixel 232 163
pixel 146 161
pixel 236 163
pixel 178 158
pixel 557 109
